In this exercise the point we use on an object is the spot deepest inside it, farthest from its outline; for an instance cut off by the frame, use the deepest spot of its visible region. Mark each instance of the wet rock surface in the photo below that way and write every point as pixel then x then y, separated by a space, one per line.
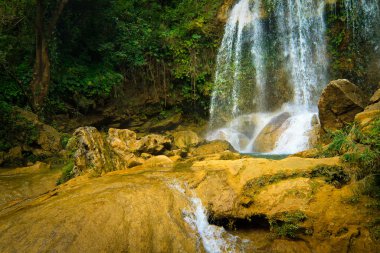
pixel 117 150
pixel 339 103
pixel 24 183
pixel 267 138
pixel 371 112
pixel 144 209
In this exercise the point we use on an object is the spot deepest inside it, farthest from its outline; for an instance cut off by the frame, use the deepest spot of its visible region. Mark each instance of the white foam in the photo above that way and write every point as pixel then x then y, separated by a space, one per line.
pixel 214 239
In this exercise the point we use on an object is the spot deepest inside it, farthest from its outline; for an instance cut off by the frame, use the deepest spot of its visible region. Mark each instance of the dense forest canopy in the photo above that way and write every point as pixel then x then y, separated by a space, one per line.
pixel 74 57
pixel 64 55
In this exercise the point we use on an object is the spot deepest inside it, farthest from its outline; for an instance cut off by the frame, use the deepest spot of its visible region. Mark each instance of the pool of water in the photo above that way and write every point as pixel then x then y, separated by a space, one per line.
pixel 267 156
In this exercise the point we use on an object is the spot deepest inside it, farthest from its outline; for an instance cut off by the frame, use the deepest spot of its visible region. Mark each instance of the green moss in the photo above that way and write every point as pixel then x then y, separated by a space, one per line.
pixel 288 224
pixel 67 173
pixel 334 175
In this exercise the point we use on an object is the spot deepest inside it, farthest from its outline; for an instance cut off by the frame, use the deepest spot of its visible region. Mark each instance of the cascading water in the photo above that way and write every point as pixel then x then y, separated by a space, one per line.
pixel 368 10
pixel 214 239
pixel 272 60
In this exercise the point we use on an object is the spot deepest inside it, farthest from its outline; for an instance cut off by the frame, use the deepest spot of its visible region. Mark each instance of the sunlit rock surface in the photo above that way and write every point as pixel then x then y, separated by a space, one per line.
pixel 25 183
pixel 160 208
pixel 371 112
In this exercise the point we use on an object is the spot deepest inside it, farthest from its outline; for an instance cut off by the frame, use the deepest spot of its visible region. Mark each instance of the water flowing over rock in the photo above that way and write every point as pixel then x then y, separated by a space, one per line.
pixel 368 10
pixel 271 61
pixel 266 140
pixel 339 103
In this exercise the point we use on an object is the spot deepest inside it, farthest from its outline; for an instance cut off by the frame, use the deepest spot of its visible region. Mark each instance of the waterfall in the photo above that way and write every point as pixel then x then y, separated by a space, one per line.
pixel 214 239
pixel 272 60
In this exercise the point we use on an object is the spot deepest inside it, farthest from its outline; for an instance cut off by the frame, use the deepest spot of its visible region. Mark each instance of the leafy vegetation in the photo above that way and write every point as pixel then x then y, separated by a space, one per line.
pixel 67 173
pixel 334 175
pixel 96 46
pixel 359 149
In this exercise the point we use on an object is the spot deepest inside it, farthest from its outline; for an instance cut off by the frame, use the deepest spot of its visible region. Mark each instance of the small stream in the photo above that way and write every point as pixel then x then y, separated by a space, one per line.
pixel 215 239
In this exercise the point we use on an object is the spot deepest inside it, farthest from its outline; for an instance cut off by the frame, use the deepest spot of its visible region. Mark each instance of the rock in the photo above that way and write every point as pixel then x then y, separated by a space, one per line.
pixel 255 197
pixel 375 98
pixel 36 137
pixel 2 158
pixel 213 147
pixel 120 149
pixel 371 112
pixel 49 139
pixel 38 167
pixel 267 138
pixel 184 139
pixel 160 161
pixel 228 155
pixel 145 156
pixel 91 152
pixel 14 153
pixel 123 141
pixel 224 10
pixel 339 103
pixel 309 153
pixel 154 144
pixel 25 183
pixel 169 123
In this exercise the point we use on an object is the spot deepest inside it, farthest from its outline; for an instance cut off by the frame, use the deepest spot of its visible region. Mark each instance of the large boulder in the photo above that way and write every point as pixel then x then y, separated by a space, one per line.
pixel 371 112
pixel 184 139
pixel 154 144
pixel 123 148
pixel 339 103
pixel 91 151
pixel 119 149
pixel 48 139
pixel 267 138
pixel 213 147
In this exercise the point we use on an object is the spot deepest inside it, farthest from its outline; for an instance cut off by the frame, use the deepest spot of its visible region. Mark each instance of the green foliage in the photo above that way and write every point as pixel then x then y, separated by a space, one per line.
pixel 334 175
pixel 67 173
pixel 288 224
pixel 15 130
pixel 65 138
pixel 340 142
pixel 360 150
pixel 368 160
pixel 349 46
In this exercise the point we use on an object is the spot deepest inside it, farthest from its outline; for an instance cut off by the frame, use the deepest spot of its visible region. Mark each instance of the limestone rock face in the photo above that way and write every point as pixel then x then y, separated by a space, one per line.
pixel 169 123
pixel 123 148
pixel 339 103
pixel 154 144
pixel 91 151
pixel 267 138
pixel 184 139
pixel 213 147
pixel 371 112
pixel 120 149
pixel 146 210
pixel 49 139
pixel 159 161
